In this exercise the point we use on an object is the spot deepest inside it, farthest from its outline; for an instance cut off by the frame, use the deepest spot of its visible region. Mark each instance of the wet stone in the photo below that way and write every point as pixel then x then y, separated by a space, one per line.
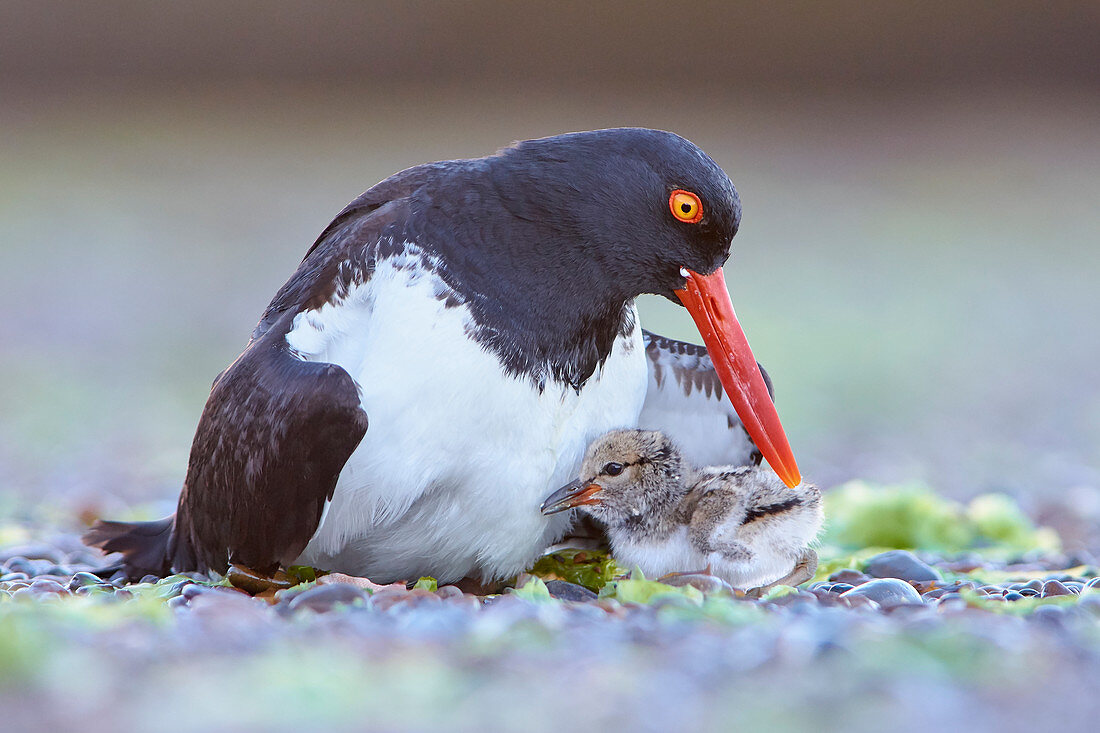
pixel 1035 585
pixel 42 585
pixel 901 564
pixel 384 600
pixel 32 552
pixel 1054 588
pixel 565 591
pixel 886 592
pixel 8 577
pixel 326 597
pixel 79 580
pixel 848 575
pixel 1028 592
pixel 1094 583
pixel 1054 615
pixel 700 581
pixel 1014 596
pixel 841 587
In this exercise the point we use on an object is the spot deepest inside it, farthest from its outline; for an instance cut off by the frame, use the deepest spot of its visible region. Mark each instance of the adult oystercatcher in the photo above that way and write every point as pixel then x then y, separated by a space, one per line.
pixel 446 351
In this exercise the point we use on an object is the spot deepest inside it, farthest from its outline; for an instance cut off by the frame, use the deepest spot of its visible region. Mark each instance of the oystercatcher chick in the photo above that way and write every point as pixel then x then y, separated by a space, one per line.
pixel 665 516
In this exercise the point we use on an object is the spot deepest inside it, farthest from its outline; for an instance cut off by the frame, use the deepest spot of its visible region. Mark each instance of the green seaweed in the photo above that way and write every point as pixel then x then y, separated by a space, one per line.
pixel 639 589
pixel 427 583
pixel 862 516
pixel 591 568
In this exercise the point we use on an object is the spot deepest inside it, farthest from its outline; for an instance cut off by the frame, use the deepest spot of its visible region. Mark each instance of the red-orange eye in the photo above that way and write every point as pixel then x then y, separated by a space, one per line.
pixel 685 206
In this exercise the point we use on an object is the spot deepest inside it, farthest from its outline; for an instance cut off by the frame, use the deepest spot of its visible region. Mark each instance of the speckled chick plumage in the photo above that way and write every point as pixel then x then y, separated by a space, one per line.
pixel 664 515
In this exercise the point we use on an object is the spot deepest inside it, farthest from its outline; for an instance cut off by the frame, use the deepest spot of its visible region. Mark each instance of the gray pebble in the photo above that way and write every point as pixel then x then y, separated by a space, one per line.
pixel 79 580
pixel 8 577
pixel 901 564
pixel 886 592
pixel 43 585
pixel 326 597
pixel 700 581
pixel 848 575
pixel 566 591
pixel 1055 588
pixel 32 552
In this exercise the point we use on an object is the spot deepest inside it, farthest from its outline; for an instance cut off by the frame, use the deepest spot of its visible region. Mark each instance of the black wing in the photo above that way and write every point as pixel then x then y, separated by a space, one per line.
pixel 276 430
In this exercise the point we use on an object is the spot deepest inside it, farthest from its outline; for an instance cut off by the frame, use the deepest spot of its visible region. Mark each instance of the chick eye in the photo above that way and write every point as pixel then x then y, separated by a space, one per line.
pixel 685 206
pixel 612 469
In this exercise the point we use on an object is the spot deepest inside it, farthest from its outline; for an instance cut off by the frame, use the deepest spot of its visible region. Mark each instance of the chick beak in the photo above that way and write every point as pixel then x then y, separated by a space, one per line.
pixel 571 495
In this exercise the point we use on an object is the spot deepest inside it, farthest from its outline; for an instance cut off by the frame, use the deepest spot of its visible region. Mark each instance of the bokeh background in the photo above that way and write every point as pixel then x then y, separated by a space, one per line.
pixel 919 265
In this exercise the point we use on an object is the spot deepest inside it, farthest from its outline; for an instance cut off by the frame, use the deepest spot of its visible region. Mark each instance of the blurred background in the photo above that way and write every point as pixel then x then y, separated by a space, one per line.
pixel 918 267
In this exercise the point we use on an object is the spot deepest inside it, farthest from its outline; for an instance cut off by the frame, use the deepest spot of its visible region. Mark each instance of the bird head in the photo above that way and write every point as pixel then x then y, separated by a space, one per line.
pixel 633 211
pixel 625 474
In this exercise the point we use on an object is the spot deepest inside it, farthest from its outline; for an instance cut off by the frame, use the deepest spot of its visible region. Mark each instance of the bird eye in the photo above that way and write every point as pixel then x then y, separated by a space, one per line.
pixel 685 206
pixel 612 469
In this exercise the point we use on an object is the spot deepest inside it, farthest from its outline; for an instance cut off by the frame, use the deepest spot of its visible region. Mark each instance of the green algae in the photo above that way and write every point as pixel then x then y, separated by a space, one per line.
pixel 591 568
pixel 861 518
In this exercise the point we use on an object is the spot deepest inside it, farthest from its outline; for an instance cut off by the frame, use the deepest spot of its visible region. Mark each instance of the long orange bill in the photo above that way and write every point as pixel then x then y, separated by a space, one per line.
pixel 708 302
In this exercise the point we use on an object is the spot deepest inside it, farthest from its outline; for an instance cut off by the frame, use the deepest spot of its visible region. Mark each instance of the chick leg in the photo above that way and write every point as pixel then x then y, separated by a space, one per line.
pixel 803 570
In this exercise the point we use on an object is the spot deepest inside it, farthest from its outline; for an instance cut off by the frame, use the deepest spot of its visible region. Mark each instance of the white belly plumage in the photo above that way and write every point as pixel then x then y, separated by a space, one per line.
pixel 458 455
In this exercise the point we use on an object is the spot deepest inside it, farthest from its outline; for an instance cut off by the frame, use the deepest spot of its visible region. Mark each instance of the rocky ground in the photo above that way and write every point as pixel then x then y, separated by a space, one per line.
pixel 987 625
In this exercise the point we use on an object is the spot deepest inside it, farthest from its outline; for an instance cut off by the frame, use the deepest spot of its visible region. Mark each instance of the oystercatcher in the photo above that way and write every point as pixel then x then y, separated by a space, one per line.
pixel 445 352
pixel 665 516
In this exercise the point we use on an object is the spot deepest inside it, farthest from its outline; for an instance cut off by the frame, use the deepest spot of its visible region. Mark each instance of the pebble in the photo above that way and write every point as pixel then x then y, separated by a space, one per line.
pixel 848 575
pixel 901 564
pixel 384 600
pixel 1054 588
pixel 886 592
pixel 80 580
pixel 1013 596
pixel 700 581
pixel 324 598
pixel 566 591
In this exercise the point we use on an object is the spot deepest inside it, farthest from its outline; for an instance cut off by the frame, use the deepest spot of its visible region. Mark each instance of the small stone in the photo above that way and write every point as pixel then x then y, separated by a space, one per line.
pixel 1013 595
pixel 383 600
pixel 847 575
pixel 566 591
pixel 324 598
pixel 901 564
pixel 41 585
pixel 886 592
pixel 1035 585
pixel 1054 615
pixel 1055 588
pixel 1074 586
pixel 699 581
pixel 31 552
pixel 840 587
pixel 79 580
pixel 1028 592
pixel 856 602
pixel 8 577
pixel 1094 583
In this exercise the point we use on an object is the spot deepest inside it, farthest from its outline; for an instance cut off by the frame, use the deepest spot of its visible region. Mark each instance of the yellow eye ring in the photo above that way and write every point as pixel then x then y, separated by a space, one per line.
pixel 685 206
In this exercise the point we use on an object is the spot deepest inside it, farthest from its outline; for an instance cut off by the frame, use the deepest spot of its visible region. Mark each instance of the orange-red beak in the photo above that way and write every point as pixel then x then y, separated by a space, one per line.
pixel 709 304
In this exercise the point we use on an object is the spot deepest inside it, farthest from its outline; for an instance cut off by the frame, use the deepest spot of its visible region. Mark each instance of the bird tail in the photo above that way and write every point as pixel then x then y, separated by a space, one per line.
pixel 145 546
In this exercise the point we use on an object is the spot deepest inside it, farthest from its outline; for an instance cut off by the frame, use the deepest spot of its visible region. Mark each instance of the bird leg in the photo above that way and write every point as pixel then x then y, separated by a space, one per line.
pixel 254 582
pixel 803 570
